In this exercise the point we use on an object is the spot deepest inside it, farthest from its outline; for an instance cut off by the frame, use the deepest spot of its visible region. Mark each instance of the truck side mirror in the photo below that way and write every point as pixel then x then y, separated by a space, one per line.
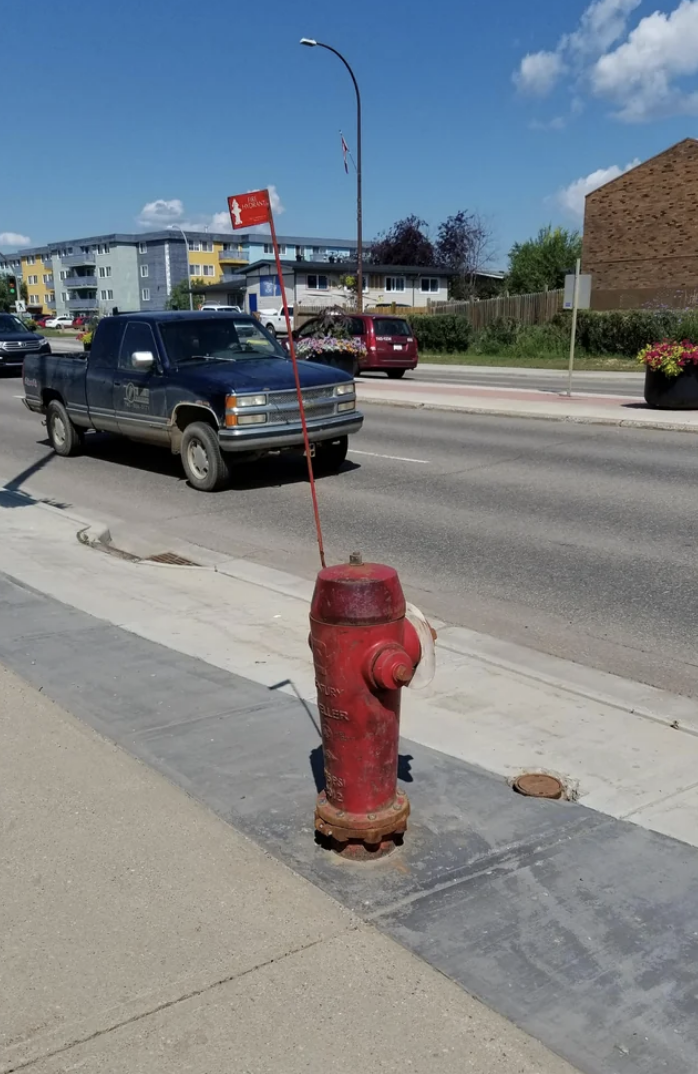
pixel 142 359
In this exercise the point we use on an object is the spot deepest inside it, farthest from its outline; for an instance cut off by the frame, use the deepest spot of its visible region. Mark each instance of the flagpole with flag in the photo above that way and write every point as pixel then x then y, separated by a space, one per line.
pixel 250 210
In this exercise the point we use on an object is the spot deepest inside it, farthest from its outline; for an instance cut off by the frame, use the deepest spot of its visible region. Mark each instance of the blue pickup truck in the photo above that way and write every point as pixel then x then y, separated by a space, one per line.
pixel 214 388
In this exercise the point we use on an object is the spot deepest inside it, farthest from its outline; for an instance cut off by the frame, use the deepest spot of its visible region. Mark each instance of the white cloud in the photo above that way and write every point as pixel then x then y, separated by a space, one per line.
pixel 538 73
pixel 160 213
pixel 571 198
pixel 14 238
pixel 641 71
pixel 601 24
pixel 640 75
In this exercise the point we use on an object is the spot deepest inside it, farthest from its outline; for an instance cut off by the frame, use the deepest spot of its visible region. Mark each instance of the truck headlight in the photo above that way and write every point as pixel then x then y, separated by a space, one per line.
pixel 345 389
pixel 349 405
pixel 251 400
pixel 252 419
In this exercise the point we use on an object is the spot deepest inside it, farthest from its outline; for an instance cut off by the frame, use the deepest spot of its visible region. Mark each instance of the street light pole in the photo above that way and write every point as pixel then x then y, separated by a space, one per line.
pixel 173 227
pixel 359 208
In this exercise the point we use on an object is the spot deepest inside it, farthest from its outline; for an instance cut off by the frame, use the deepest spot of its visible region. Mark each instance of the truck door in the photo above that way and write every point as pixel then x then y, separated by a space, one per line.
pixel 101 370
pixel 139 388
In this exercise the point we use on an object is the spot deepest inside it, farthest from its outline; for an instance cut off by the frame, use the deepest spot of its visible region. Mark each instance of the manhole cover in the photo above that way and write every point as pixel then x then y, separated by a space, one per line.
pixel 538 785
pixel 173 559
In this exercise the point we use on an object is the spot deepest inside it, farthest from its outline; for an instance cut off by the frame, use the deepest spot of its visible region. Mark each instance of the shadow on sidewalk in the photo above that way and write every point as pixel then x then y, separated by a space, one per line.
pixel 12 495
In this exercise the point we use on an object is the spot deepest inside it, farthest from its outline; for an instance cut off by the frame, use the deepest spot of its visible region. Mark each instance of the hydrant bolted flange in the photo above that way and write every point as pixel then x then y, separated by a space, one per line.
pixel 364 651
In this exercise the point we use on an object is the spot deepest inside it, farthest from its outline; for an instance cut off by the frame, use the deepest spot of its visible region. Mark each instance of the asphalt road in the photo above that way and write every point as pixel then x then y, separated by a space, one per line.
pixel 545 380
pixel 576 540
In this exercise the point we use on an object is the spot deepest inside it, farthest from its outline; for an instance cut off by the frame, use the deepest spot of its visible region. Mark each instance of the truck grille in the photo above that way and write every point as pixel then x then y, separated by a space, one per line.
pixel 312 413
pixel 309 395
pixel 15 347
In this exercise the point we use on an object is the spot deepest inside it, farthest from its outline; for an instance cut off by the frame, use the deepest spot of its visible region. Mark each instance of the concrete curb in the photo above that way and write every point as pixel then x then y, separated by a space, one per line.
pixel 496 412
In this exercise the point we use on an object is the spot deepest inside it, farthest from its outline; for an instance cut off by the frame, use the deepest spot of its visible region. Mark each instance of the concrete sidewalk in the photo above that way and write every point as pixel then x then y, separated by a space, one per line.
pixel 622 748
pixel 522 402
pixel 578 927
pixel 142 934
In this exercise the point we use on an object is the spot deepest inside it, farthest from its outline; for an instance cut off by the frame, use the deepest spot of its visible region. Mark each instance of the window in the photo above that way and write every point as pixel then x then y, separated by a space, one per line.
pixel 207 246
pixel 145 294
pixel 105 295
pixel 268 248
pixel 142 247
pixel 33 300
pixel 32 280
pixel 195 245
pixel 104 248
pixel 31 260
pixel 110 293
pixel 64 274
pixel 429 285
pixel 144 271
pixel 70 250
pixel 317 283
pixel 108 270
pixel 84 249
pixel 48 279
pixel 104 270
pixel 395 283
pixel 282 250
pixel 316 251
pixel 137 337
pixel 195 270
pixel 65 296
pixel 391 326
pixel 207 270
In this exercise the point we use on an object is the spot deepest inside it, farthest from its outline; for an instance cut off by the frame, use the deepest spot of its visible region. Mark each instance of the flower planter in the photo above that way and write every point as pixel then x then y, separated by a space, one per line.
pixel 348 363
pixel 672 393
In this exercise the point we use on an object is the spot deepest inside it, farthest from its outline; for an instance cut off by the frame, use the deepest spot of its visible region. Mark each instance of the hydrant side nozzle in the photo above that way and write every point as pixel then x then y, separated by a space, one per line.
pixel 388 667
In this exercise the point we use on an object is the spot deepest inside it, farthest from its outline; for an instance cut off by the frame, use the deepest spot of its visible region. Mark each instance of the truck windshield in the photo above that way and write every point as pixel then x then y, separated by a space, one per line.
pixel 216 339
pixel 8 323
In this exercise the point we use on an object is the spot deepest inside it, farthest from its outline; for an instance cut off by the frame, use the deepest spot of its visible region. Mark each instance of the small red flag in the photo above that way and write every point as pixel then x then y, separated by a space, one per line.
pixel 249 210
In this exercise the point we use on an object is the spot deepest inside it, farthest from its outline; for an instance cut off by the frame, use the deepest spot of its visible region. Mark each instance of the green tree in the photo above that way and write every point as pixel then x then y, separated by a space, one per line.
pixel 405 243
pixel 6 303
pixel 179 295
pixel 541 264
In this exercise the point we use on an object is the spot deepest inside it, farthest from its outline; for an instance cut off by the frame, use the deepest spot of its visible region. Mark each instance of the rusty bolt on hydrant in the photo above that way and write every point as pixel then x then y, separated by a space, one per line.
pixel 367 644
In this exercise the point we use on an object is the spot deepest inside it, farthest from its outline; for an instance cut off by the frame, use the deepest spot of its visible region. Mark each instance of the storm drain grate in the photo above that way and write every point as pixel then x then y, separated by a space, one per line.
pixel 172 559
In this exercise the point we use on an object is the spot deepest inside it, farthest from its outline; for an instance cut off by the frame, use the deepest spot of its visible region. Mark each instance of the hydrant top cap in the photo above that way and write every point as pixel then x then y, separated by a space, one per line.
pixel 358 593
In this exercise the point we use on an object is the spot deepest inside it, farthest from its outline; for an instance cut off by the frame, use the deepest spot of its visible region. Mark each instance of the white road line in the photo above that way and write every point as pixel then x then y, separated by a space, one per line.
pixel 394 458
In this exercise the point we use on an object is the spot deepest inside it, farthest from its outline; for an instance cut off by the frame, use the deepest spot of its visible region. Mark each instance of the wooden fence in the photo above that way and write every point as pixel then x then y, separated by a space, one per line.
pixel 524 309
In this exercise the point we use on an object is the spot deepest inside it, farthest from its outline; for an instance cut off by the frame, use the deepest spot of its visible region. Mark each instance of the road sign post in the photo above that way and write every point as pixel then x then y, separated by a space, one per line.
pixel 251 210
pixel 577 296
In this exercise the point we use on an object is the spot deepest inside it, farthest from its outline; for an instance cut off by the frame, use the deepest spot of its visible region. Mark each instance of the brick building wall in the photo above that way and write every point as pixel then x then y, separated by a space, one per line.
pixel 641 233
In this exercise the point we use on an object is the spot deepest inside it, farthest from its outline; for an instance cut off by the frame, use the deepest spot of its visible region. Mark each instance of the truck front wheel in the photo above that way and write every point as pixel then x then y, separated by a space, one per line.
pixel 202 459
pixel 65 438
pixel 330 455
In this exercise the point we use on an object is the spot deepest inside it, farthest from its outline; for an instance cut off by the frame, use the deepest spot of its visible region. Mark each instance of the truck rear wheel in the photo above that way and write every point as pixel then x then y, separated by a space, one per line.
pixel 330 455
pixel 65 438
pixel 202 459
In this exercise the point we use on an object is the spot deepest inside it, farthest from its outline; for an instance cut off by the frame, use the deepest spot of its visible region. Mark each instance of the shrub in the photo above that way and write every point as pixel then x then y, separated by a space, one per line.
pixel 446 333
pixel 625 332
pixel 501 334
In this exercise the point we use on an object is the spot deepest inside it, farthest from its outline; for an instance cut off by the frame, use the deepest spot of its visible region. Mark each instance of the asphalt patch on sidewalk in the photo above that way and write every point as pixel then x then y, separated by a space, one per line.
pixel 581 929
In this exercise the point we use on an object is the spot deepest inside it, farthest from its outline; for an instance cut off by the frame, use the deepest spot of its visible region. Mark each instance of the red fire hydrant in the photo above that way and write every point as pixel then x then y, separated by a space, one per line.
pixel 364 651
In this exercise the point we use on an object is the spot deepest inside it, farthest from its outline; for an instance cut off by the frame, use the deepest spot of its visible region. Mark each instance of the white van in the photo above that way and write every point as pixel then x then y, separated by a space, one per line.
pixel 220 309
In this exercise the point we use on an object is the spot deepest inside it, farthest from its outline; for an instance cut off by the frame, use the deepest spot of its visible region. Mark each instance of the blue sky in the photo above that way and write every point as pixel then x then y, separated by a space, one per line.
pixel 497 107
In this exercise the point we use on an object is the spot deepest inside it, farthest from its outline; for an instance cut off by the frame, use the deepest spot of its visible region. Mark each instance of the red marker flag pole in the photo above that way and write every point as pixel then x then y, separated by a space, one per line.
pixel 250 210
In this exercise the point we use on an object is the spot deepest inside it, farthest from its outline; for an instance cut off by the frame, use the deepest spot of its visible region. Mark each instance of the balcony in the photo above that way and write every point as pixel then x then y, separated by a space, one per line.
pixel 76 304
pixel 77 260
pixel 233 257
pixel 80 281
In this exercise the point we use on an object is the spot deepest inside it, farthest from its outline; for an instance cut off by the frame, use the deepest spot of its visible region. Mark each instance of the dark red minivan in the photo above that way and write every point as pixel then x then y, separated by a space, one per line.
pixel 390 345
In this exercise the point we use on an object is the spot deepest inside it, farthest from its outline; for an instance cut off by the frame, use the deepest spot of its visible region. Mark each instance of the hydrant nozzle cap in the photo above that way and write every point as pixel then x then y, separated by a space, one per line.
pixel 356 559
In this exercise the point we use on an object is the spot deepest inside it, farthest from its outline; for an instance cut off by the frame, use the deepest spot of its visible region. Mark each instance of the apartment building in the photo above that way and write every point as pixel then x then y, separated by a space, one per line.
pixel 138 271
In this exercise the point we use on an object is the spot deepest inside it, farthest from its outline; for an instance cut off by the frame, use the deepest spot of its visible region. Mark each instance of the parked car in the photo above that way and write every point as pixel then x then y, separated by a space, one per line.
pixel 390 343
pixel 81 320
pixel 274 320
pixel 209 308
pixel 212 387
pixel 61 321
pixel 42 319
pixel 17 341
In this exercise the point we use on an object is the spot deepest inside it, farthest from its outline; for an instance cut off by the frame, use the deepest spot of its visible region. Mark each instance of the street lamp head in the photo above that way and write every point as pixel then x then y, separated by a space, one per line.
pixel 308 41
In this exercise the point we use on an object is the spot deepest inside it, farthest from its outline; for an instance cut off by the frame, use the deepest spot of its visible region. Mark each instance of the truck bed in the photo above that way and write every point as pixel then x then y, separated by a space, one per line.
pixel 61 375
